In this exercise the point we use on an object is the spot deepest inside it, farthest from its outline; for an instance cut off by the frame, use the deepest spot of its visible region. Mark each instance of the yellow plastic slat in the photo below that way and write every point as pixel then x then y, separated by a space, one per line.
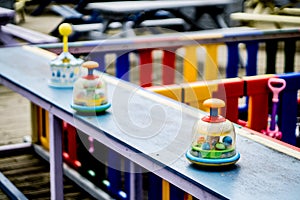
pixel 190 64
pixel 171 91
pixel 165 190
pixel 34 124
pixel 44 127
pixel 211 62
pixel 196 93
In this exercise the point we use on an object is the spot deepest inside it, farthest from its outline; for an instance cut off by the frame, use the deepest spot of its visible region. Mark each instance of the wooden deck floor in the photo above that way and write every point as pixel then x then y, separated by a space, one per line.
pixel 31 175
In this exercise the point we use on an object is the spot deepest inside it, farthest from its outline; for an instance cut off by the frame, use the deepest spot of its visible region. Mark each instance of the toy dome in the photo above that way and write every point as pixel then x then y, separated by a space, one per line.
pixel 214 141
pixel 89 92
pixel 65 67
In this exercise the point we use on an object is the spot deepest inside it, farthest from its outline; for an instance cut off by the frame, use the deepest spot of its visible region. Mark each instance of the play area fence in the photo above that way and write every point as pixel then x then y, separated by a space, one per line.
pixel 193 88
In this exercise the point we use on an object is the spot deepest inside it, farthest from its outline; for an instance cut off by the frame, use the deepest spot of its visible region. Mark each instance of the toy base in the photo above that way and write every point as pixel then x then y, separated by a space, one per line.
pixel 212 162
pixel 274 134
pixel 91 109
pixel 62 86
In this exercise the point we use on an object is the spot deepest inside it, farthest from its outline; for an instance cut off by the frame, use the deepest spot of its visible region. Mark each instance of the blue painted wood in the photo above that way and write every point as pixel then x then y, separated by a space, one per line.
pixel 56 169
pixel 261 173
pixel 10 189
pixel 232 59
pixel 253 32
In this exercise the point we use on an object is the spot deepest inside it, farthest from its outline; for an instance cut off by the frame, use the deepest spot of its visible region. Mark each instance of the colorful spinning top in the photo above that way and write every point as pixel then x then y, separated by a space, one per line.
pixel 215 139
pixel 65 67
pixel 89 92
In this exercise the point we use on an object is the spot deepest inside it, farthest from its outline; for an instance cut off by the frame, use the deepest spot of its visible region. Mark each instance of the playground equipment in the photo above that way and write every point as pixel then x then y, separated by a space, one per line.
pixel 214 143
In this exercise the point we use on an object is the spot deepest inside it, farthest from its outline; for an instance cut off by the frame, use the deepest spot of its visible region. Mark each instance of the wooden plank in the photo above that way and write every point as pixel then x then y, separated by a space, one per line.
pixel 135 6
pixel 66 11
pixel 28 35
pixel 56 167
pixel 265 18
pixel 10 189
pixel 289 11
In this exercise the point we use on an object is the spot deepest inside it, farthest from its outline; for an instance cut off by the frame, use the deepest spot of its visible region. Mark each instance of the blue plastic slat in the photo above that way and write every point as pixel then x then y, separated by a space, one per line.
pixel 232 60
pixel 155 187
pixel 289 54
pixel 176 193
pixel 287 109
pixel 252 52
pixel 114 173
pixel 99 57
pixel 122 66
pixel 133 180
pixel 271 51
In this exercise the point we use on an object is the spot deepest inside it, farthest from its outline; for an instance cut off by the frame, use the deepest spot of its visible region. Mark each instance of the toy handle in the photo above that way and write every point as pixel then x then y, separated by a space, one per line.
pixel 276 85
pixel 65 30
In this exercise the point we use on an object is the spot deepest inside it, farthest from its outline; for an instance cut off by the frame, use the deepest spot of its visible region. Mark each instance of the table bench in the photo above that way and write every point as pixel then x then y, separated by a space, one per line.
pixel 31 36
pixel 6 16
pixel 259 173
pixel 139 11
pixel 277 20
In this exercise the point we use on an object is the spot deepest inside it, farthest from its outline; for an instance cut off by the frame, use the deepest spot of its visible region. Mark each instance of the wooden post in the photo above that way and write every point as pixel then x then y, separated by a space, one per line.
pixel 56 164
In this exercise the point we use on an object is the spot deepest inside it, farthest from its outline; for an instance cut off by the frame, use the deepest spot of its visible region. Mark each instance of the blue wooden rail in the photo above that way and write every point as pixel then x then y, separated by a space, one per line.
pixel 167 163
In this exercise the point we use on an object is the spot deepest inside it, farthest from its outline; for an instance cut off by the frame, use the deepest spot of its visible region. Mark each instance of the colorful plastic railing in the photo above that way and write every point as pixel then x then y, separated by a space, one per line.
pixel 253 87
pixel 210 41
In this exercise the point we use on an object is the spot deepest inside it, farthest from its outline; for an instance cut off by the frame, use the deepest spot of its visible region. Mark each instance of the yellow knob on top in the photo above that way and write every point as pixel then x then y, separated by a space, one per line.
pixel 214 103
pixel 65 30
pixel 90 64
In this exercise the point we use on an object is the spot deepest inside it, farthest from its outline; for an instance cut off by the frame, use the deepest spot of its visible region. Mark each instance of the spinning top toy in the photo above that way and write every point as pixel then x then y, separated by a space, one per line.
pixel 89 92
pixel 65 67
pixel 215 138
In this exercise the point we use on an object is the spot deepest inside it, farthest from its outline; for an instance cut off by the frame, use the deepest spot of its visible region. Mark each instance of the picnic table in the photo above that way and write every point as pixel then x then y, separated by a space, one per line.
pixel 140 11
pixel 6 15
pixel 261 173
